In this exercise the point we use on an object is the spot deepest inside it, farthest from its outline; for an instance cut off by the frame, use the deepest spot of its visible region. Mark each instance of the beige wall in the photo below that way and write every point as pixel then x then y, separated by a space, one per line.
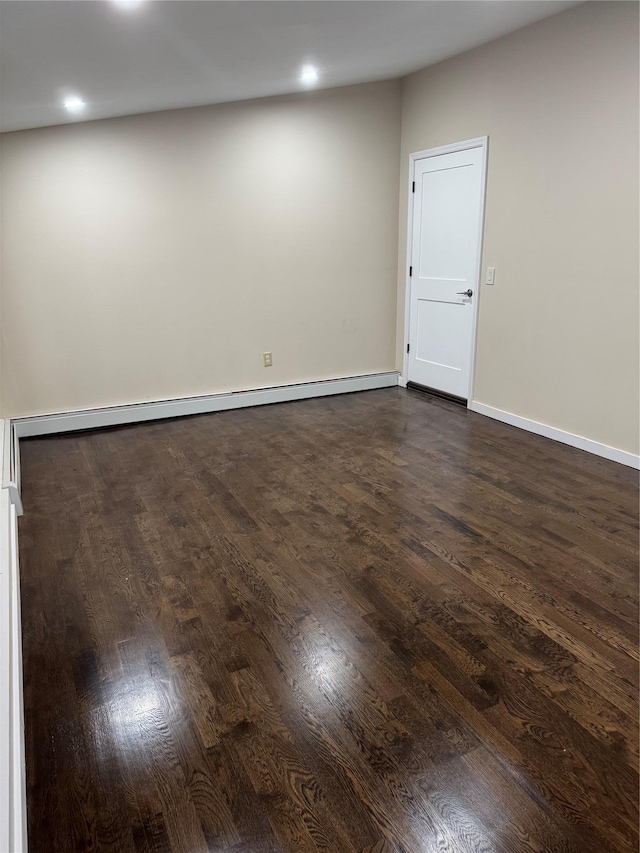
pixel 158 256
pixel 558 333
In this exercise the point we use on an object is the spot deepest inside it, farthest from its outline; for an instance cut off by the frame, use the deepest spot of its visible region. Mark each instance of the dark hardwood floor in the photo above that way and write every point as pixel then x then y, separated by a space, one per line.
pixel 363 624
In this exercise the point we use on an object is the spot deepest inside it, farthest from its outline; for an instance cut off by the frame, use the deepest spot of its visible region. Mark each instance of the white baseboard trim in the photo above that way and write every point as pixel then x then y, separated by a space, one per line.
pixel 595 447
pixel 402 382
pixel 137 412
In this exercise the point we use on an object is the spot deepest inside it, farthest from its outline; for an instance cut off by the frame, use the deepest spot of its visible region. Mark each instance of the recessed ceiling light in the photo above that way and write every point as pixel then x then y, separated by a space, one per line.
pixel 74 104
pixel 128 4
pixel 309 75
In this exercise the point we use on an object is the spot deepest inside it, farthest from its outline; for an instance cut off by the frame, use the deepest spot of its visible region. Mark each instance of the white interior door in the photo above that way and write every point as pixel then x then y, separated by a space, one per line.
pixel 445 255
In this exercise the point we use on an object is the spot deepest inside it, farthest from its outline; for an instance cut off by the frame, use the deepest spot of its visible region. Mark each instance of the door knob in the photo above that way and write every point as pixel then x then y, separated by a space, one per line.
pixel 465 292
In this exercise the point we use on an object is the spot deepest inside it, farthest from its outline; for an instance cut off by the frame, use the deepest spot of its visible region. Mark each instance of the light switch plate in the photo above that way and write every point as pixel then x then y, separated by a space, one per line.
pixel 491 275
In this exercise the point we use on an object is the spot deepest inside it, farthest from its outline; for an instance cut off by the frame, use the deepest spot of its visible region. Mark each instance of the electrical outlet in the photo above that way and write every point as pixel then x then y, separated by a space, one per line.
pixel 267 358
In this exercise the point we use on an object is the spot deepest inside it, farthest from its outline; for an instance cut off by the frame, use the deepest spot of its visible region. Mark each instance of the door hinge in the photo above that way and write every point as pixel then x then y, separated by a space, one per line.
pixel 408 347
pixel 410 271
pixel 413 187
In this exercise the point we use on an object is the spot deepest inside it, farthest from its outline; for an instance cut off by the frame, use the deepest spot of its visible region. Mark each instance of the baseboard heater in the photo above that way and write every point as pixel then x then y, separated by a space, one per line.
pixel 11 465
pixel 182 406
pixel 413 386
pixel 13 795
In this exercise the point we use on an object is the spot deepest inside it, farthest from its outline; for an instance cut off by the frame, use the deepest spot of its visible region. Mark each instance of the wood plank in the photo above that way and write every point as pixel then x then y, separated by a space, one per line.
pixel 361 624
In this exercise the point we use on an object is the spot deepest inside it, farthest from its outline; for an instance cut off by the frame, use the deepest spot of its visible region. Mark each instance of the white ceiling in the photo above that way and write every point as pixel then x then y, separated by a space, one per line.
pixel 162 54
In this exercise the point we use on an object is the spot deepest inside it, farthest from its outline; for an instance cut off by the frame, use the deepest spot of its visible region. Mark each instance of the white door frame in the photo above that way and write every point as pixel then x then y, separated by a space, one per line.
pixel 481 142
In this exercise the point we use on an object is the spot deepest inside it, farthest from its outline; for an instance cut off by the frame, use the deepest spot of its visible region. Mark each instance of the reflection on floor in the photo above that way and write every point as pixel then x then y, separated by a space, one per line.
pixel 374 622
